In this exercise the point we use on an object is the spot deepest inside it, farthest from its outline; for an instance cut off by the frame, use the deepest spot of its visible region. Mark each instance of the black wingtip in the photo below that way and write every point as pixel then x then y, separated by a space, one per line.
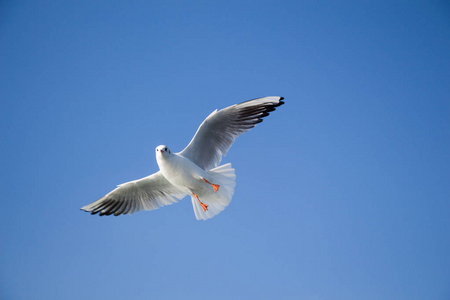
pixel 273 106
pixel 280 102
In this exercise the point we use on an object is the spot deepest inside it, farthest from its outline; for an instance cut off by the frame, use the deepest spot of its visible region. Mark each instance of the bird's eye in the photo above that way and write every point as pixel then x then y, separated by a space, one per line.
pixel 165 149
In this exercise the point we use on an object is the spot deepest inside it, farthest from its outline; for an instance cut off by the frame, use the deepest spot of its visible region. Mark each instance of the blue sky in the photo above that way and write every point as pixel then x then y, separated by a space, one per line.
pixel 342 193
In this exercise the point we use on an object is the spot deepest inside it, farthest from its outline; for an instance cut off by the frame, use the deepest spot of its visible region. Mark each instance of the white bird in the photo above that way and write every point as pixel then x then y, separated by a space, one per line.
pixel 194 170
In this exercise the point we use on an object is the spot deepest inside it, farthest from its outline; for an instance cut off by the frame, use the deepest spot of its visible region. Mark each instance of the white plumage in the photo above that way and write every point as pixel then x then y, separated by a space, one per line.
pixel 192 171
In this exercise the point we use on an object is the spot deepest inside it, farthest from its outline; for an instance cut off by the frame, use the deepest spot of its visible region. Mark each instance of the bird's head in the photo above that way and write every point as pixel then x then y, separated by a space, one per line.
pixel 162 150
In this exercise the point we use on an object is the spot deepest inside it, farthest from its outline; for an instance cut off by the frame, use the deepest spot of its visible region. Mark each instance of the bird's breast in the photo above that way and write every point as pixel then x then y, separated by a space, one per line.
pixel 181 172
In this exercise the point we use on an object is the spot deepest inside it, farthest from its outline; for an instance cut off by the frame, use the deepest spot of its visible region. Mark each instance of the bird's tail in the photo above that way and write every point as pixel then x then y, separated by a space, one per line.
pixel 225 177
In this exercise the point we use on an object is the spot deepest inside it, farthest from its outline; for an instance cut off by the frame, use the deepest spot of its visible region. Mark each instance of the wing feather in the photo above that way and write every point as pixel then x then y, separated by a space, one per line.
pixel 217 133
pixel 148 193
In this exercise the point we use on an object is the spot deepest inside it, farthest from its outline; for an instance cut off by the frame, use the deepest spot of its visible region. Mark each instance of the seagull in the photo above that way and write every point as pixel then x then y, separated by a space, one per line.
pixel 195 171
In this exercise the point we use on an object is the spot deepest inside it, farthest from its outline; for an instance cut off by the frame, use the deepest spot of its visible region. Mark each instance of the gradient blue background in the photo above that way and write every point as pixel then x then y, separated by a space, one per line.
pixel 342 193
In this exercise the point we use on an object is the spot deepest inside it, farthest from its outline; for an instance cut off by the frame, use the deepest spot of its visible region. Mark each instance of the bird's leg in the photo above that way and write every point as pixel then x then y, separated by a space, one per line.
pixel 215 186
pixel 204 206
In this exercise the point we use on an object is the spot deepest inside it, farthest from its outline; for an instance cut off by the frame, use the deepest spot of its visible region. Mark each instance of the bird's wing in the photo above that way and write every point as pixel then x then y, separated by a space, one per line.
pixel 219 130
pixel 148 193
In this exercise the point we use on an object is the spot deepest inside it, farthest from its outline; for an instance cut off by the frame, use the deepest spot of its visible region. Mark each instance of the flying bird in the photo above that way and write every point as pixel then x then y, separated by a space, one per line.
pixel 193 171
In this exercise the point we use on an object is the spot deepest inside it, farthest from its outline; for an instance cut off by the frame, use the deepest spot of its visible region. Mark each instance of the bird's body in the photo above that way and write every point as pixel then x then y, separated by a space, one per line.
pixel 194 170
pixel 180 171
pixel 214 188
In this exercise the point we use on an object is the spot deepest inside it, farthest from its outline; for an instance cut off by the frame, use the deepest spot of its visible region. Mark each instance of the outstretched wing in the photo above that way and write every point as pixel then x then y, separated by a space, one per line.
pixel 148 193
pixel 219 130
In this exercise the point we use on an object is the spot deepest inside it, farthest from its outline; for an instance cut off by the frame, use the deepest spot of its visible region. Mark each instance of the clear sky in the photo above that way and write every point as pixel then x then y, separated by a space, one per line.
pixel 342 193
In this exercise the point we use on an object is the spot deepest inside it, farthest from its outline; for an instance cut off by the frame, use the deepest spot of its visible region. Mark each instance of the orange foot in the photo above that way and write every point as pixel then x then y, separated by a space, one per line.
pixel 204 206
pixel 215 186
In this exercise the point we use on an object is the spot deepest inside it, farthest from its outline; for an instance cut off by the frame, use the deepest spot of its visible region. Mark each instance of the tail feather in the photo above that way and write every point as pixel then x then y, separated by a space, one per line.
pixel 225 177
